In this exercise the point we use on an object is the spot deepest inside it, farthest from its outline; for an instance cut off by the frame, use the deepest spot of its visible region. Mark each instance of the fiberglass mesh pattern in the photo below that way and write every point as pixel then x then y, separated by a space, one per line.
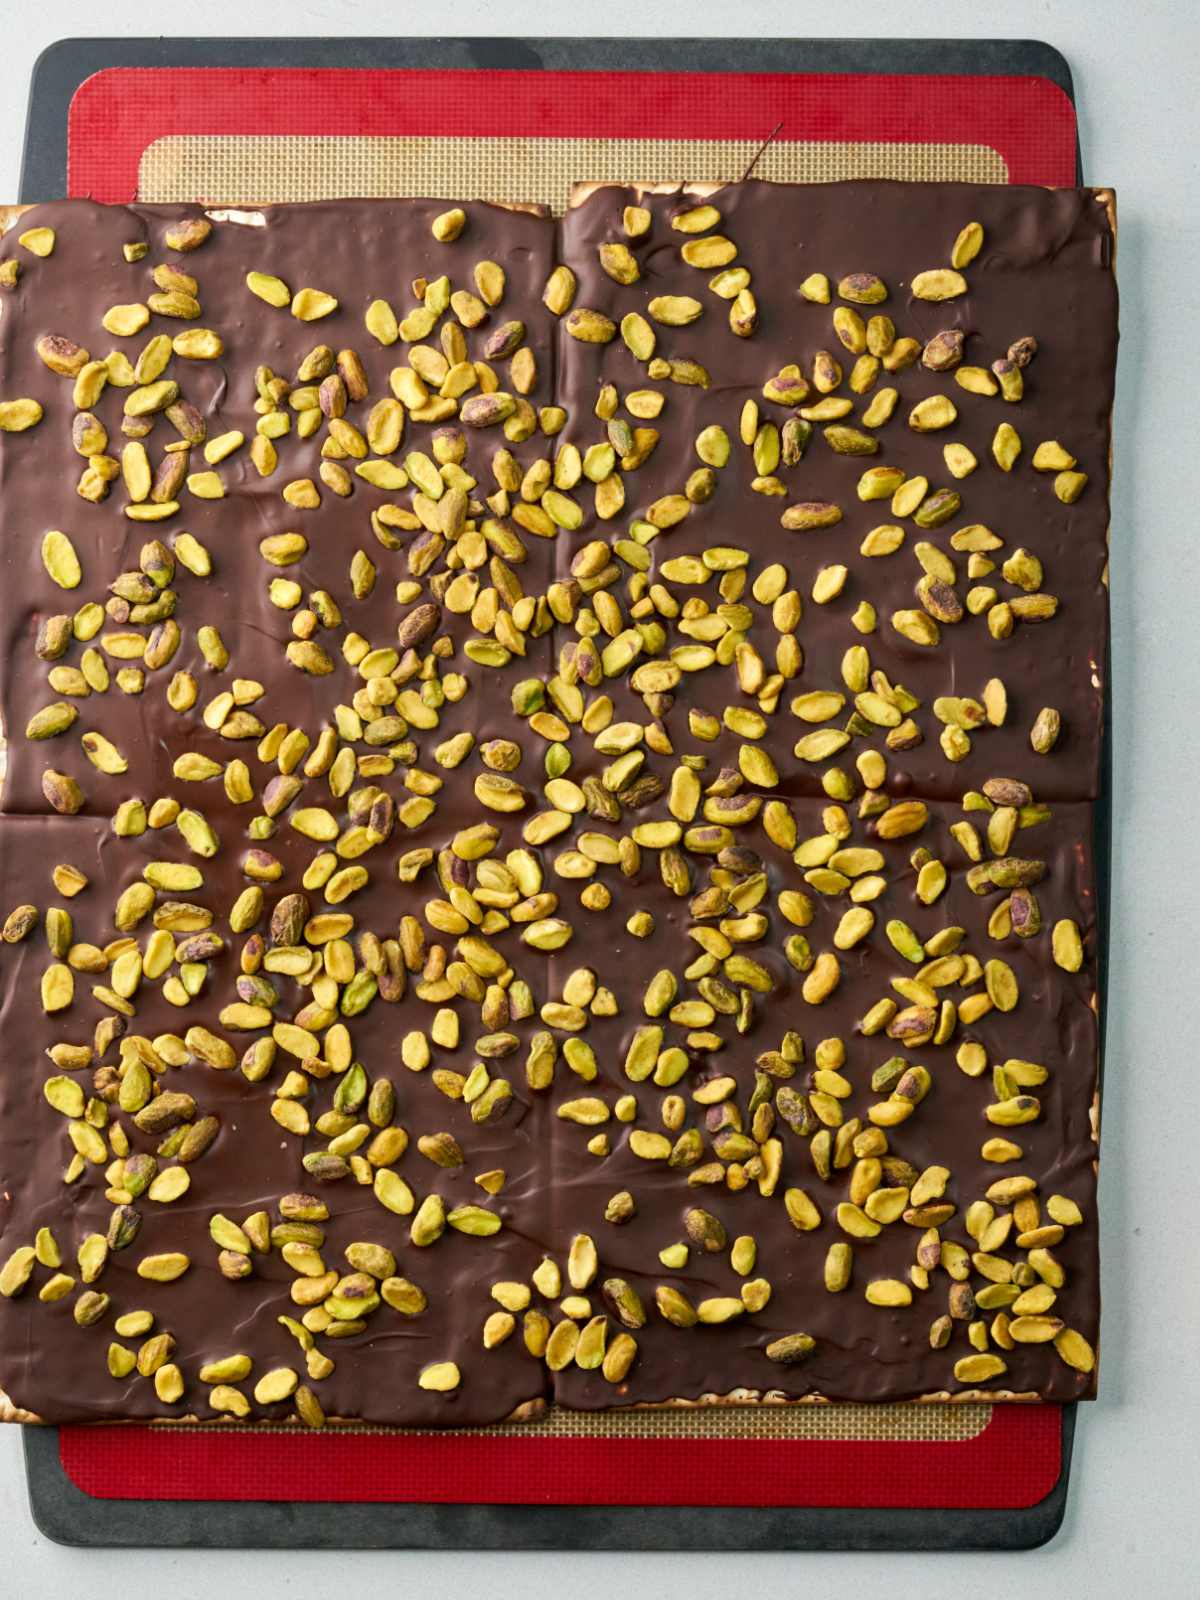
pixel 267 170
pixel 902 1423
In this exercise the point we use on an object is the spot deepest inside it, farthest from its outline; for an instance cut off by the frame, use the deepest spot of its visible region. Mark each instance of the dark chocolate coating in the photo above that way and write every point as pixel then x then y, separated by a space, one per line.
pixel 358 253
pixel 1044 269
pixel 863 1352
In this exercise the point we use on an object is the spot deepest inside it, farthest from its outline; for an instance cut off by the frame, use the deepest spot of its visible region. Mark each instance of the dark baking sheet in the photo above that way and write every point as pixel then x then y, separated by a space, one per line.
pixel 63 66
pixel 60 1510
pixel 63 1513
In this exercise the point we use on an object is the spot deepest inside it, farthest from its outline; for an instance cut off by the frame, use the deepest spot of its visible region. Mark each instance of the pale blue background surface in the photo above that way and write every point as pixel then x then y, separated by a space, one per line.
pixel 1133 1525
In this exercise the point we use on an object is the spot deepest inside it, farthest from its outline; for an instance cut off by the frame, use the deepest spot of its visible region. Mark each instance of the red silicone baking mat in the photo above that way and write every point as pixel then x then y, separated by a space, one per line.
pixel 183 122
pixel 167 133
pixel 1013 1461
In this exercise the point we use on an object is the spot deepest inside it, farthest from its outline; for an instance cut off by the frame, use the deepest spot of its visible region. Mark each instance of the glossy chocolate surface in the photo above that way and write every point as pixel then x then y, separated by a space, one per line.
pixel 1045 270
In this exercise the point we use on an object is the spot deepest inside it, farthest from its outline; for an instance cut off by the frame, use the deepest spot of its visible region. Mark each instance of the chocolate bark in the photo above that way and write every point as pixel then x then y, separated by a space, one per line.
pixel 1045 269
pixel 740 909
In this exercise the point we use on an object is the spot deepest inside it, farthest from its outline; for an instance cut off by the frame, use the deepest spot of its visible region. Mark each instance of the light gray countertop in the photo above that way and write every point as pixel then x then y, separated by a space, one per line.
pixel 1133 1524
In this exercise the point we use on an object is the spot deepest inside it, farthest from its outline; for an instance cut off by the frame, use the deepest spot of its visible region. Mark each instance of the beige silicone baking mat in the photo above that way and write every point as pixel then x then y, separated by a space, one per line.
pixel 231 170
pixel 908 1423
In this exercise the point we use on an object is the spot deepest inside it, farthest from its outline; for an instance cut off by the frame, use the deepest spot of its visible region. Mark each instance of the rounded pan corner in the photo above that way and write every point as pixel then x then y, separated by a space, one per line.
pixel 60 1512
pixel 1047 61
pixel 58 57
